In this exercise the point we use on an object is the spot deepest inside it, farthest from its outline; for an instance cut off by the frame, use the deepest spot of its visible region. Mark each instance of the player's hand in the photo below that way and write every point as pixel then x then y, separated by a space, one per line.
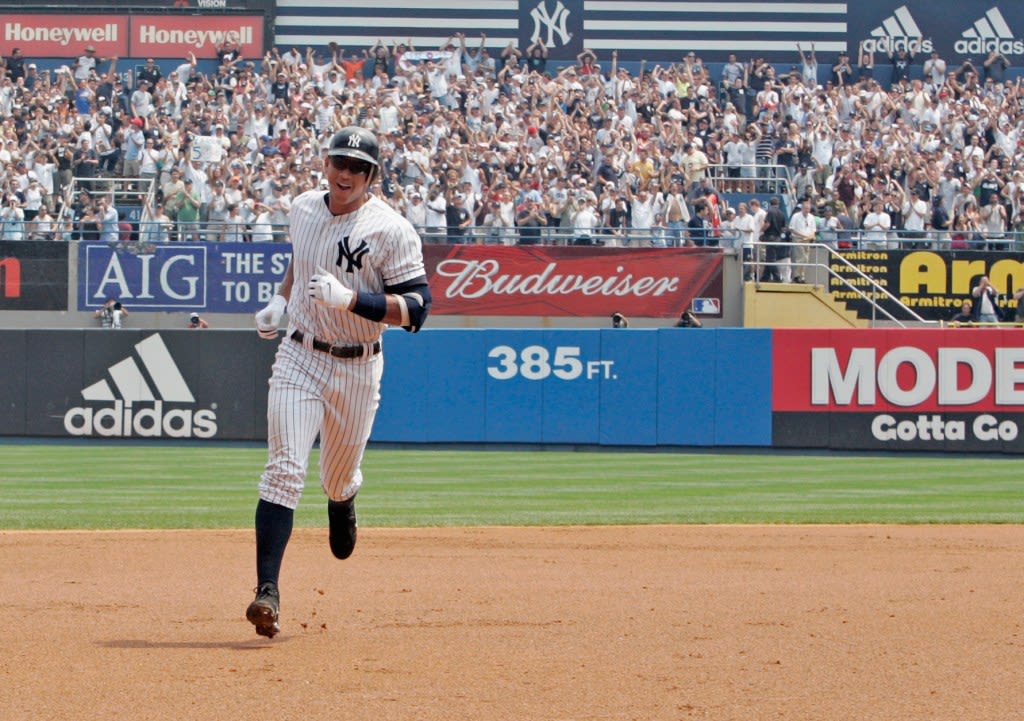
pixel 268 319
pixel 327 290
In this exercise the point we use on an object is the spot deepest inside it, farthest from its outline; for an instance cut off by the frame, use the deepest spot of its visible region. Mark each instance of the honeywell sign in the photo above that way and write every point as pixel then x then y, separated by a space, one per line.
pixel 176 36
pixel 897 389
pixel 58 36
pixel 161 36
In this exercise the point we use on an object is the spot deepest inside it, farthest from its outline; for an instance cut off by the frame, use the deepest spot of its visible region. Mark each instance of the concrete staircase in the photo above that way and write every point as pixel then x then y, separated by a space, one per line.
pixel 792 305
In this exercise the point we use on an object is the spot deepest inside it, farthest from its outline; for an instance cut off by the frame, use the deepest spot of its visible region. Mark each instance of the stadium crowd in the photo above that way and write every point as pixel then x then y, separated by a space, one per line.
pixel 482 145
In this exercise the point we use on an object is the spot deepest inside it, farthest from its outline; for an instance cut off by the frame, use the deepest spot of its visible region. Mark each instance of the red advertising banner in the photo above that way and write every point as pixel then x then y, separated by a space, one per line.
pixel 176 36
pixel 895 370
pixel 567 281
pixel 159 36
pixel 58 36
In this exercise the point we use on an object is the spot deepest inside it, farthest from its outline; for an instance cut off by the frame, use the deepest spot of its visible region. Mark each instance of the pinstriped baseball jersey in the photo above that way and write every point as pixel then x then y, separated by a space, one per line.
pixel 311 392
pixel 366 249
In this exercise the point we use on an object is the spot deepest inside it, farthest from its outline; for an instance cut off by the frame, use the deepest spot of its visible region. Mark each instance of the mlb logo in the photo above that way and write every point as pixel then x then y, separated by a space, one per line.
pixel 706 306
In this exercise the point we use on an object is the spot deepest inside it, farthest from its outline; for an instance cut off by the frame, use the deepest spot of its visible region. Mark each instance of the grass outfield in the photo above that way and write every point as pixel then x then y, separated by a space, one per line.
pixel 201 486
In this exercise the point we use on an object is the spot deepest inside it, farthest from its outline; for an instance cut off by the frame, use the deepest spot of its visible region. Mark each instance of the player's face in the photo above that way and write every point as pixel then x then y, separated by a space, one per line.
pixel 348 180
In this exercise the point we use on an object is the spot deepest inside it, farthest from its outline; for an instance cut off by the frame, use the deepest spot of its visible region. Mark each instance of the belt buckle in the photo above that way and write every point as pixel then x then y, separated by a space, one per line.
pixel 336 350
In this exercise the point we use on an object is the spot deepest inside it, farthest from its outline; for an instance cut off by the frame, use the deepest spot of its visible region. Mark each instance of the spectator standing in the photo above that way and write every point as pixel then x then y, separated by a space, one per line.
pixel 993 222
pixel 995 66
pixel 842 71
pixel 15 65
pixel 677 214
pixel 877 224
pixel 915 218
pixel 156 226
pixel 85 67
pixel 732 71
pixel 134 146
pixel 109 220
pixel 803 227
pixel 744 225
pixel 808 67
pixel 584 222
pixel 457 218
pixel 188 203
pixel 12 219
pixel 986 303
pixel 150 72
pixel 699 226
pixel 934 72
pixel 529 221
pixel 901 60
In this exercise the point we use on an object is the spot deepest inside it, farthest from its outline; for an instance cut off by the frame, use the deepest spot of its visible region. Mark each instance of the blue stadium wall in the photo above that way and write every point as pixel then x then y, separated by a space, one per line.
pixel 665 30
pixel 904 390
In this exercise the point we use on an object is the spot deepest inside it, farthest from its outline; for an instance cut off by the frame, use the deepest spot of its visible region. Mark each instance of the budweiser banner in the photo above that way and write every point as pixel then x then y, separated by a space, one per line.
pixel 567 281
pixel 953 389
pixel 931 283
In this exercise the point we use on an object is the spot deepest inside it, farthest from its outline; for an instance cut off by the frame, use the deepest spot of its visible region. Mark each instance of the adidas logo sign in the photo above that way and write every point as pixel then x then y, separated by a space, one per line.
pixel 990 32
pixel 136 409
pixel 899 31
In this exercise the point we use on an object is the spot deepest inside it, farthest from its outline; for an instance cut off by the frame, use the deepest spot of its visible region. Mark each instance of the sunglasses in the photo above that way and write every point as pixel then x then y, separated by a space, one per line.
pixel 356 167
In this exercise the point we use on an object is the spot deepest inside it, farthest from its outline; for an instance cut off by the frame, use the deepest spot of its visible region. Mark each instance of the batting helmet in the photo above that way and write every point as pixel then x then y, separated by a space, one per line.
pixel 355 142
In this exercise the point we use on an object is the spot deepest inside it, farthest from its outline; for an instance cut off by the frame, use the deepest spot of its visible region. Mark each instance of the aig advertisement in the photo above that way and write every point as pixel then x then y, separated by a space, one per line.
pixel 927 390
pixel 464 280
pixel 956 30
pixel 212 277
pixel 932 284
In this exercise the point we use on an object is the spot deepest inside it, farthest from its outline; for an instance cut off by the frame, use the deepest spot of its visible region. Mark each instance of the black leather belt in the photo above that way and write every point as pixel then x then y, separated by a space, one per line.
pixel 339 351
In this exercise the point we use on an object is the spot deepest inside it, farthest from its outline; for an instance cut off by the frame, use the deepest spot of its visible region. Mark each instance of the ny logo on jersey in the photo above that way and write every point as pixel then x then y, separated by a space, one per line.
pixel 354 257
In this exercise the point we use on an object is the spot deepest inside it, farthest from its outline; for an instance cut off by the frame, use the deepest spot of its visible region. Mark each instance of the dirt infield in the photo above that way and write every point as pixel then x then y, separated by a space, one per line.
pixel 653 622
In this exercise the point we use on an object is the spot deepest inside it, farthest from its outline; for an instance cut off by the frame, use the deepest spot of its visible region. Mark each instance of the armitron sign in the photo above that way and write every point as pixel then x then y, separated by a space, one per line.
pixel 927 389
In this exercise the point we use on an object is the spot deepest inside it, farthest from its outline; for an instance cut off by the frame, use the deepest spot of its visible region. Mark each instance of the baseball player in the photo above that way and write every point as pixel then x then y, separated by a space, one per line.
pixel 356 267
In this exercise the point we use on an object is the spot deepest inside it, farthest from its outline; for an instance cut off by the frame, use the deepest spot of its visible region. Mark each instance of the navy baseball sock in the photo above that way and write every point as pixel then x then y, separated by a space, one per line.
pixel 273 529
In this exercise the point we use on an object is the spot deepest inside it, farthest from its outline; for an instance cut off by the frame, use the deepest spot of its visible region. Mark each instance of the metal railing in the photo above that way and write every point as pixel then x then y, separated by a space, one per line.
pixel 756 268
pixel 755 179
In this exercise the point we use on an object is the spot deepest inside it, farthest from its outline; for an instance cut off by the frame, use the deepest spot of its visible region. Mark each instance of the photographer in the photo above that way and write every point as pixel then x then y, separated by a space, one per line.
pixel 112 314
pixel 986 305
pixel 688 320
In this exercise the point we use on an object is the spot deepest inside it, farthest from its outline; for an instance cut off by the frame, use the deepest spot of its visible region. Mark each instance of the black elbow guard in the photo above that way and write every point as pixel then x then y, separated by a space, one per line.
pixel 414 299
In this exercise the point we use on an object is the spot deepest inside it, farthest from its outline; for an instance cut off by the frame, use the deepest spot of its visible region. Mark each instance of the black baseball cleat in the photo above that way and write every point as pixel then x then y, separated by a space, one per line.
pixel 342 517
pixel 263 611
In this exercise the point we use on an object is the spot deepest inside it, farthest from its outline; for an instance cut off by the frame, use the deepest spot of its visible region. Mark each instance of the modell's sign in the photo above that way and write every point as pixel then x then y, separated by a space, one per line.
pixel 555 281
pixel 899 389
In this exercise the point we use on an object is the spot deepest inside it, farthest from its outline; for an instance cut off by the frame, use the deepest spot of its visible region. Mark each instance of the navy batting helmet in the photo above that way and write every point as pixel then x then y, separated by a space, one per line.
pixel 355 142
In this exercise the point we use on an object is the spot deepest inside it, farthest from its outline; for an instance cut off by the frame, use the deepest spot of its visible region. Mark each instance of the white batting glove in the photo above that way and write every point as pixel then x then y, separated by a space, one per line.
pixel 327 290
pixel 269 318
